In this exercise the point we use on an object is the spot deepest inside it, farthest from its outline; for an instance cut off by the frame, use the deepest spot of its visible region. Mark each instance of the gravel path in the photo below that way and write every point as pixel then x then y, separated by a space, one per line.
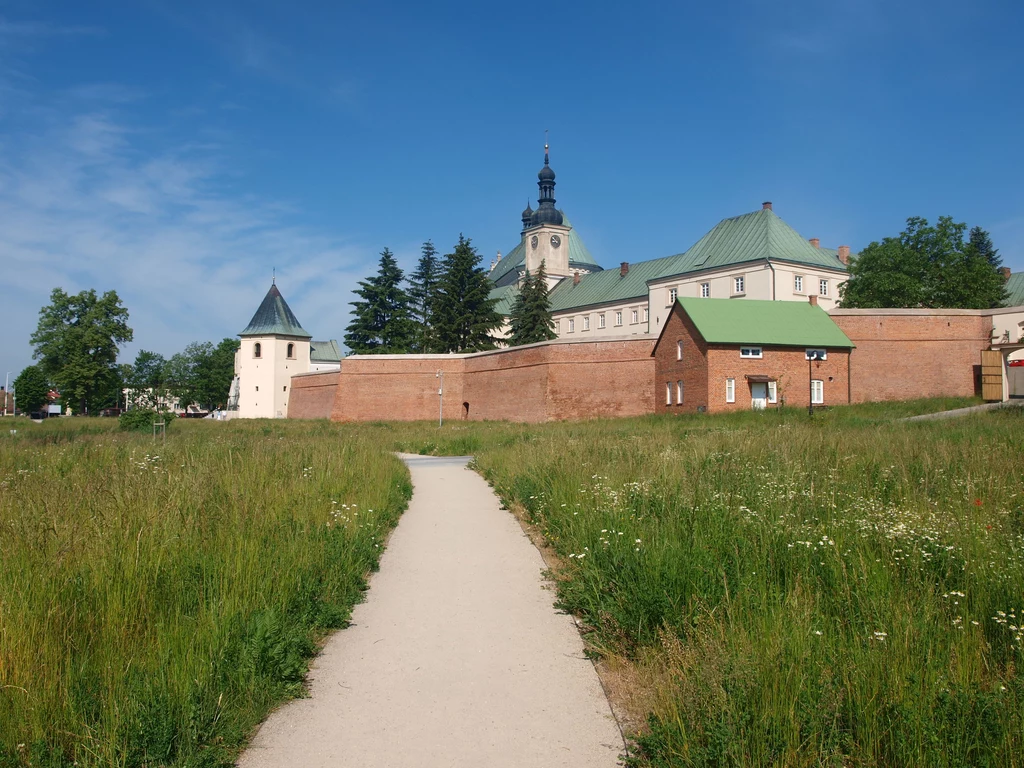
pixel 457 657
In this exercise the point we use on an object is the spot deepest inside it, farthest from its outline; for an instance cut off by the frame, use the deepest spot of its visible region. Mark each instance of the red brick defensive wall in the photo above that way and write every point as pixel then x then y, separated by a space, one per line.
pixel 312 395
pixel 548 381
pixel 903 354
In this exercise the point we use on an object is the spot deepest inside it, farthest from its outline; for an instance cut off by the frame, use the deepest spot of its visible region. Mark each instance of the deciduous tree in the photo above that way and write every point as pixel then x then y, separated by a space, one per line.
pixel 31 388
pixel 927 266
pixel 76 344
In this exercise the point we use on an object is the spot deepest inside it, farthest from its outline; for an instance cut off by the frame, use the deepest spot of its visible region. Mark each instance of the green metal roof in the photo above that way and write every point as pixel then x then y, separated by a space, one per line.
pixel 578 254
pixel 1015 290
pixel 506 295
pixel 608 286
pixel 274 318
pixel 751 321
pixel 324 351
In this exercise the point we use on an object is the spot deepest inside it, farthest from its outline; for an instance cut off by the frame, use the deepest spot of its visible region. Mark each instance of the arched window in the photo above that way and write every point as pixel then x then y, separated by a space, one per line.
pixel 257 350
pixel 291 351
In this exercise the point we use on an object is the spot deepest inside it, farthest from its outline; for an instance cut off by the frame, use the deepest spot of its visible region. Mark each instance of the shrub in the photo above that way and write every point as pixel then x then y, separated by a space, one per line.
pixel 141 419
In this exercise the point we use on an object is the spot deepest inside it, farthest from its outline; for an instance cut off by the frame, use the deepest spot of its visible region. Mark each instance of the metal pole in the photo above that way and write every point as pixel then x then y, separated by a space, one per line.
pixel 810 389
pixel 6 390
pixel 440 399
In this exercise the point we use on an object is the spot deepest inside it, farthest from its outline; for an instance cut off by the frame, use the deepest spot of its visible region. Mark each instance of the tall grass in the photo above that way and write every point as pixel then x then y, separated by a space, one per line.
pixel 842 590
pixel 157 599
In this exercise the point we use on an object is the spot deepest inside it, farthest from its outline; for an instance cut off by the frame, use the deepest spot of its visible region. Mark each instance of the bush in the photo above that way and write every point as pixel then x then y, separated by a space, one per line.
pixel 141 420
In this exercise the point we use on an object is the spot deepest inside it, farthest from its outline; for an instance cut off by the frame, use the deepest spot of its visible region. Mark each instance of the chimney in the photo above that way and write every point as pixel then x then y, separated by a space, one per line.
pixel 815 242
pixel 575 278
pixel 813 298
pixel 1005 272
pixel 766 205
pixel 623 269
pixel 844 254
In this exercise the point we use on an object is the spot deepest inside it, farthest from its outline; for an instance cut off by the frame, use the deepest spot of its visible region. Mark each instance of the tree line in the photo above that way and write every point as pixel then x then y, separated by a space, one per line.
pixel 443 306
pixel 76 345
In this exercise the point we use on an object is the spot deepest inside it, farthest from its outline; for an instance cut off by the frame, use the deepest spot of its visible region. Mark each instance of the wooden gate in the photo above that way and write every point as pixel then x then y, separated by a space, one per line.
pixel 991 375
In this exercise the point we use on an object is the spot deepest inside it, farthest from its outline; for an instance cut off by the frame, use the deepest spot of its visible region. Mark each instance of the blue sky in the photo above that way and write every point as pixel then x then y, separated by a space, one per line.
pixel 177 152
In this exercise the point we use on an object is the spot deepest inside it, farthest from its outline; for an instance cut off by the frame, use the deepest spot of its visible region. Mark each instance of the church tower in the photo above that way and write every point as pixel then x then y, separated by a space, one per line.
pixel 274 348
pixel 545 235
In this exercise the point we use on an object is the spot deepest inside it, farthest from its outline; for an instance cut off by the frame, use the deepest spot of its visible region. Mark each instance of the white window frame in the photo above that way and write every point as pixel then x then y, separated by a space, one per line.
pixel 817 392
pixel 634 317
pixel 679 392
pixel 600 320
pixel 705 290
pixel 668 393
pixel 572 325
pixel 751 353
pixel 679 349
pixel 618 318
pixel 586 322
pixel 647 314
pixel 798 283
pixel 819 354
pixel 673 293
pixel 730 390
pixel 739 284
pixel 773 391
pixel 823 287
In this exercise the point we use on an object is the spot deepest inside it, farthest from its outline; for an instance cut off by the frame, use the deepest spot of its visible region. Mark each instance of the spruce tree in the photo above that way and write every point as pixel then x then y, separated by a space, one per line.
pixel 380 321
pixel 531 312
pixel 423 287
pixel 464 316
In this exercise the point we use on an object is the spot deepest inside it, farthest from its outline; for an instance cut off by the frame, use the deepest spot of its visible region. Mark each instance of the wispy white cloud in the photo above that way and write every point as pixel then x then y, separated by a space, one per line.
pixel 91 198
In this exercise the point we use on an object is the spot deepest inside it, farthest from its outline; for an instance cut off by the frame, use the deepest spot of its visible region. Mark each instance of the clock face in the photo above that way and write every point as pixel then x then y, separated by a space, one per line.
pixel 555 241
pixel 533 242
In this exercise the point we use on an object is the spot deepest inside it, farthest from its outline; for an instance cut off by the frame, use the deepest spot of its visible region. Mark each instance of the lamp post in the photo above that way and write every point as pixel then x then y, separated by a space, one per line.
pixel 813 356
pixel 440 398
pixel 7 381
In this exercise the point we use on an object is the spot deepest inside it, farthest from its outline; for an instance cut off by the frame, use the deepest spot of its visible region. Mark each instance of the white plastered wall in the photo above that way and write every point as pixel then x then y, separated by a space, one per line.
pixel 265 381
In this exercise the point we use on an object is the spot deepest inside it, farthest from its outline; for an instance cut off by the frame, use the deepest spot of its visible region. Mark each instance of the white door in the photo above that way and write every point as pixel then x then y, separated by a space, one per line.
pixel 758 396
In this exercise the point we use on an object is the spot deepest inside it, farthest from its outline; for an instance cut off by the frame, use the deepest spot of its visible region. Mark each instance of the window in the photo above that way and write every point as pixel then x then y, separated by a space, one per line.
pixel 284 388
pixel 668 393
pixel 798 284
pixel 679 392
pixel 257 350
pixel 647 315
pixel 737 284
pixel 672 293
pixel 618 318
pixel 291 351
pixel 815 354
pixel 730 390
pixel 705 290
pixel 817 391
pixel 823 287
pixel 257 387
pixel 751 352
pixel 634 316
pixel 586 323
pixel 679 350
pixel 572 325
pixel 600 320
pixel 773 391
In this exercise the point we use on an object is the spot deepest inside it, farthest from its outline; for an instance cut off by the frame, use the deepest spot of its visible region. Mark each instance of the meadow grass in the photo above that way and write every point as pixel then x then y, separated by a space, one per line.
pixel 157 599
pixel 843 590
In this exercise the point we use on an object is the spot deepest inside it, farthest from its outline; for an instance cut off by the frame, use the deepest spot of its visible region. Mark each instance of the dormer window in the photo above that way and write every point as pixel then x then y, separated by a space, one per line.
pixel 257 350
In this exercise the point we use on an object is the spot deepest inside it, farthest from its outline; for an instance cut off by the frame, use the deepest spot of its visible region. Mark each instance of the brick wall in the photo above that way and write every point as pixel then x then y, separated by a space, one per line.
pixel 903 354
pixel 540 382
pixel 787 365
pixel 312 395
pixel 692 370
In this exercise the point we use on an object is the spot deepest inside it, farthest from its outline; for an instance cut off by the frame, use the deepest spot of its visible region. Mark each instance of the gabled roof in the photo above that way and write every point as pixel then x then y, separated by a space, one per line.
pixel 608 286
pixel 1015 290
pixel 506 296
pixel 751 321
pixel 324 352
pixel 274 318
pixel 578 254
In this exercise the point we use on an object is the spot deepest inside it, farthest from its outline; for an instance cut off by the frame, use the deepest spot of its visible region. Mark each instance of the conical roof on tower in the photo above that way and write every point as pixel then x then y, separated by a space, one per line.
pixel 275 318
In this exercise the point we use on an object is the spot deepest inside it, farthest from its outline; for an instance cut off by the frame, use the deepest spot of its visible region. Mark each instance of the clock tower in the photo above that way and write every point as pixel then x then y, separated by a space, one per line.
pixel 545 236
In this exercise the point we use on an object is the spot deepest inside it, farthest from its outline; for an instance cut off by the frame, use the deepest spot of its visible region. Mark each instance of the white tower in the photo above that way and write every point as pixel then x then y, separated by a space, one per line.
pixel 274 348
